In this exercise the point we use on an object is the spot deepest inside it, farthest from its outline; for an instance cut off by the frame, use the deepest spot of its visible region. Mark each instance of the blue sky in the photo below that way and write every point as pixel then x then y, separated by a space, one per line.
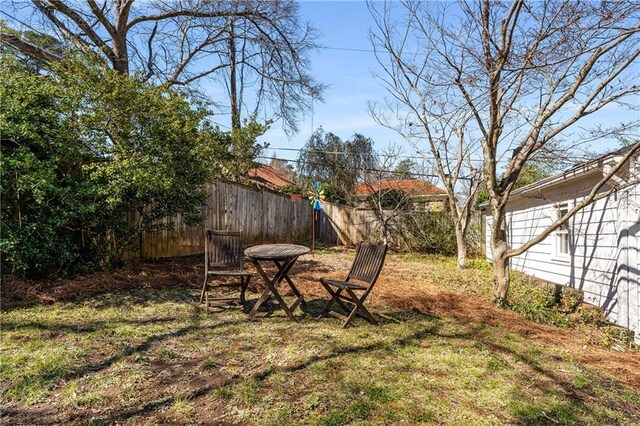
pixel 345 65
pixel 342 25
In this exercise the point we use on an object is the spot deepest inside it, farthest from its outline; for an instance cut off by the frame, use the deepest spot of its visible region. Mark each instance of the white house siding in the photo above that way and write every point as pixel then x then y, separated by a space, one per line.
pixel 634 257
pixel 603 259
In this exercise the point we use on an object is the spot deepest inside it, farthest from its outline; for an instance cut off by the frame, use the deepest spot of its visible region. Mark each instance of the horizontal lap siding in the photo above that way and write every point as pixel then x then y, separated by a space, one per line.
pixel 595 284
pixel 604 261
pixel 592 266
pixel 488 223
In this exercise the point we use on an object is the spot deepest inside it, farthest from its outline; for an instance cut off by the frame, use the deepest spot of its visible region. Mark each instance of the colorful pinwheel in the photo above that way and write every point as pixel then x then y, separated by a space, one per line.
pixel 316 195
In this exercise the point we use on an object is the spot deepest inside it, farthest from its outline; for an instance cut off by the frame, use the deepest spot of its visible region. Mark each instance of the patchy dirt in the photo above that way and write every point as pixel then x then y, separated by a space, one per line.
pixel 187 272
pixel 400 287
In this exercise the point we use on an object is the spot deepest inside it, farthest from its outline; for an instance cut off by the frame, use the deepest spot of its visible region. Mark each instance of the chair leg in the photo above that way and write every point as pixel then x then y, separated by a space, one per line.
pixel 204 288
pixel 351 316
pixel 337 298
pixel 206 301
pixel 365 312
pixel 243 288
pixel 359 302
pixel 334 297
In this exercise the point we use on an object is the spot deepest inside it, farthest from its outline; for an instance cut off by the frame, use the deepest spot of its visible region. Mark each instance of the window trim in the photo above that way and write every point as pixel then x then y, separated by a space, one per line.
pixel 562 232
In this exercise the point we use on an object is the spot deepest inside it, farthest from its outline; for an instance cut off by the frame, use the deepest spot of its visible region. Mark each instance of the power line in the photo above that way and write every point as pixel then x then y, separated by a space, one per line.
pixel 345 49
pixel 365 169
pixel 348 49
pixel 413 157
pixel 362 50
pixel 24 24
pixel 423 157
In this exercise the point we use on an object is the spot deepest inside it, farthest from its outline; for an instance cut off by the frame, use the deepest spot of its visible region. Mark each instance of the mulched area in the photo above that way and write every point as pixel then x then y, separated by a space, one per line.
pixel 395 289
pixel 179 273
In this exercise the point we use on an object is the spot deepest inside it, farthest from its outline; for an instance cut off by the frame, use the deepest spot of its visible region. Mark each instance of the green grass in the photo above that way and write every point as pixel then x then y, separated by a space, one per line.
pixel 149 357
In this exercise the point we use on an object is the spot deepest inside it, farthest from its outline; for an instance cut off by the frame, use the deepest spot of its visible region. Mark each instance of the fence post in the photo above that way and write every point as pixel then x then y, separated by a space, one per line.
pixel 262 216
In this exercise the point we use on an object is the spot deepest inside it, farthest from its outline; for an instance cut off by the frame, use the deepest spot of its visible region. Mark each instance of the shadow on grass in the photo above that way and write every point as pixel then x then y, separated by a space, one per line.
pixel 131 350
pixel 310 309
pixel 564 412
pixel 525 413
pixel 537 414
pixel 263 375
pixel 86 327
pixel 313 309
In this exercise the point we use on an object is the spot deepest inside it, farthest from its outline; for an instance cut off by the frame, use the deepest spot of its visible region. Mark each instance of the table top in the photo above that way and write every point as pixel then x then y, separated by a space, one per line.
pixel 275 251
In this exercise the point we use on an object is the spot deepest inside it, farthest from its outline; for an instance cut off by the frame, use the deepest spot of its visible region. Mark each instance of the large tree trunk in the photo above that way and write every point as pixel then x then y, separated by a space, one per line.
pixel 462 248
pixel 499 251
pixel 121 65
pixel 501 274
pixel 233 85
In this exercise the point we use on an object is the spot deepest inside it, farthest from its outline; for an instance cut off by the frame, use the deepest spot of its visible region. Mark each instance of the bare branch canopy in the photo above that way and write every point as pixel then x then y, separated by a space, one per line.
pixel 181 42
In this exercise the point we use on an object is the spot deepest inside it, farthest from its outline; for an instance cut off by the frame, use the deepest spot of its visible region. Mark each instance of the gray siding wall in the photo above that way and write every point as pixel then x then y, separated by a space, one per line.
pixel 603 259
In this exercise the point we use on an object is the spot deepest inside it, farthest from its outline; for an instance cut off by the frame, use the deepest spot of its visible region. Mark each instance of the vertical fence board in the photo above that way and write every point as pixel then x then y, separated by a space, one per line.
pixel 262 215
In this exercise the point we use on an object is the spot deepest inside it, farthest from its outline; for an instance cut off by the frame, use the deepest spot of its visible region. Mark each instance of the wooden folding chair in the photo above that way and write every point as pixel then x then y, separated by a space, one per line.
pixel 362 277
pixel 223 257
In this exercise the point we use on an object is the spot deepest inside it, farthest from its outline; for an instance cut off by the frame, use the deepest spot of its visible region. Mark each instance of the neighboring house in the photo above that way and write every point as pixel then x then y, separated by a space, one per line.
pixel 265 176
pixel 422 195
pixel 597 251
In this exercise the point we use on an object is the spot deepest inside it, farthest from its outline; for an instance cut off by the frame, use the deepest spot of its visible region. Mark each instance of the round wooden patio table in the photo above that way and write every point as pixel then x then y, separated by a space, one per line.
pixel 284 256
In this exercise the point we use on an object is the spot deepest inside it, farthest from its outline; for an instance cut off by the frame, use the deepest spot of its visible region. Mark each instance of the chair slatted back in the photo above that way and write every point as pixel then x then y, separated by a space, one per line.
pixel 223 249
pixel 368 262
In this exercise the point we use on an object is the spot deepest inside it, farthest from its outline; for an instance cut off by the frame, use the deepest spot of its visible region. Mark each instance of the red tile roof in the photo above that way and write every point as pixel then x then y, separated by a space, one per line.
pixel 268 177
pixel 409 186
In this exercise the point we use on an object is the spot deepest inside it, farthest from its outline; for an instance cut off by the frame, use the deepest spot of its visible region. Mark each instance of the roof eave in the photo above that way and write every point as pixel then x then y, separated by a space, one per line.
pixel 568 175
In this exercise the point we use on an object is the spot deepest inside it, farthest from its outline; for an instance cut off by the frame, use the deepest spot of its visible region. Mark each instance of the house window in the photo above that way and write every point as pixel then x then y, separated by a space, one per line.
pixel 420 206
pixel 562 234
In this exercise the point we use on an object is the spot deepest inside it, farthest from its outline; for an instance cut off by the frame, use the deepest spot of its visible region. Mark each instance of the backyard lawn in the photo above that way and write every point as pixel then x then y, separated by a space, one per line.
pixel 134 347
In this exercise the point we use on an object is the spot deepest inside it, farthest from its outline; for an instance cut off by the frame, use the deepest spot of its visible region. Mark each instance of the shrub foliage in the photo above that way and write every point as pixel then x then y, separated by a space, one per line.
pixel 431 232
pixel 84 150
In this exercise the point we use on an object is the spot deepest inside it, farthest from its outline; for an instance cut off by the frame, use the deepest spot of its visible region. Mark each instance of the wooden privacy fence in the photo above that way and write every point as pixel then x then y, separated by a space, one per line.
pixel 268 217
pixel 262 215
pixel 348 226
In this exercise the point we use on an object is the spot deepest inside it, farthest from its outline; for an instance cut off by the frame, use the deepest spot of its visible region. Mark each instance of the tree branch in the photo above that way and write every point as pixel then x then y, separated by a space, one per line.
pixel 28 48
pixel 593 196
pixel 83 25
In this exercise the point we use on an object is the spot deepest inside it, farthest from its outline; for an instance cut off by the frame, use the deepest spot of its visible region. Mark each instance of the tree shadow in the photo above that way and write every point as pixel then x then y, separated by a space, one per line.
pixel 314 309
pixel 572 400
pixel 261 376
pixel 86 327
pixel 268 308
pixel 406 309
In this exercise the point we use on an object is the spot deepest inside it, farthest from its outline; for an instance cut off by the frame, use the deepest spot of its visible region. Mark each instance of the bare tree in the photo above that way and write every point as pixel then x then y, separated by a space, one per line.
pixel 529 74
pixel 246 45
pixel 388 200
pixel 426 119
